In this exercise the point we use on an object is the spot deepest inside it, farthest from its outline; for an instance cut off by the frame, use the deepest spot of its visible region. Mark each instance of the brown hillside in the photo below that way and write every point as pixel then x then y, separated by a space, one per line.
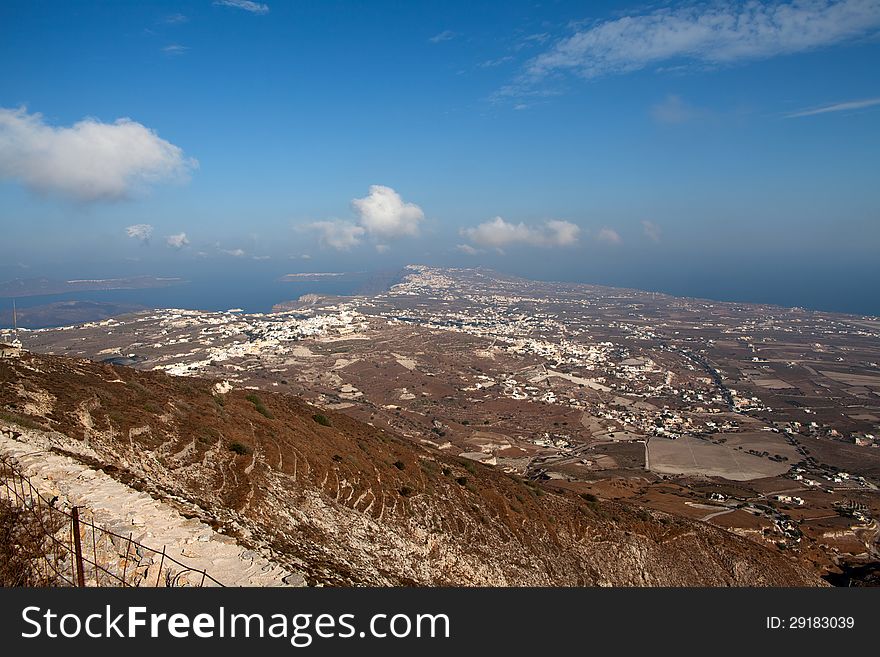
pixel 350 504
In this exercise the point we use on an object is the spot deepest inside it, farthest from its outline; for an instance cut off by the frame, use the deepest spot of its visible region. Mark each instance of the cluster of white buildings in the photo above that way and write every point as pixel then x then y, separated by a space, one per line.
pixel 205 339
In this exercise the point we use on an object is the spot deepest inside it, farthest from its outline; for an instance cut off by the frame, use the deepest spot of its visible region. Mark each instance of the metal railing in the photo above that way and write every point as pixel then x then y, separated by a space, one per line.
pixel 68 548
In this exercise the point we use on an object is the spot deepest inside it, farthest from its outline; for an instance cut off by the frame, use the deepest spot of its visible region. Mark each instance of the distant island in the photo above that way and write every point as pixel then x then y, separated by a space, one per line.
pixel 65 313
pixel 314 276
pixel 368 283
pixel 31 287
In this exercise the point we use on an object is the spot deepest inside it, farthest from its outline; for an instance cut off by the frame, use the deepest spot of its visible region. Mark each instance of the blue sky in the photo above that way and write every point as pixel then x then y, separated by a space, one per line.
pixel 663 146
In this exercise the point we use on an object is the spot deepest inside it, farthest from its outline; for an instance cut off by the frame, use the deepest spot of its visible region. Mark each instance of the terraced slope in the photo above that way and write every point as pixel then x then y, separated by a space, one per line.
pixel 348 504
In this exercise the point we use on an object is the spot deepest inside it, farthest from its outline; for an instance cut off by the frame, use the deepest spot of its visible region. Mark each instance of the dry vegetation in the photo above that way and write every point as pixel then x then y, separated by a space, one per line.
pixel 348 503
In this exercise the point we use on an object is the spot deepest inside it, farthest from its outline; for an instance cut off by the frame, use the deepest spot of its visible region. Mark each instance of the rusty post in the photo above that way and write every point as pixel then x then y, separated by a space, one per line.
pixel 71 553
pixel 161 563
pixel 77 548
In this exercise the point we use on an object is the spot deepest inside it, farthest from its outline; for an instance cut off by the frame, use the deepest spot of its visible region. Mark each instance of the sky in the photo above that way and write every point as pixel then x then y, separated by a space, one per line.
pixel 720 149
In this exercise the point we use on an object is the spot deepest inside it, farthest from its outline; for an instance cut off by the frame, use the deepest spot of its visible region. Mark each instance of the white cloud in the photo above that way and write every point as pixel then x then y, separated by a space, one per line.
pixel 337 234
pixel 384 214
pixel 499 233
pixel 715 33
pixel 837 107
pixel 247 5
pixel 235 253
pixel 608 235
pixel 445 35
pixel 175 19
pixel 175 49
pixel 652 230
pixel 673 109
pixel 177 241
pixel 561 233
pixel 492 63
pixel 141 232
pixel 467 249
pixel 89 161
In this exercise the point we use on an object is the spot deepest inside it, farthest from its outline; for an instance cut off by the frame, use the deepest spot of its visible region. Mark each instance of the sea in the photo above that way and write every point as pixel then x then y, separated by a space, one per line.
pixel 854 289
pixel 256 293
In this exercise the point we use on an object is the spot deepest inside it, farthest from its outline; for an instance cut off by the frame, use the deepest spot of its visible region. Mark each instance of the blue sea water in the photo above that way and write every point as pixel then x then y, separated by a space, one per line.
pixel 252 294
pixel 831 285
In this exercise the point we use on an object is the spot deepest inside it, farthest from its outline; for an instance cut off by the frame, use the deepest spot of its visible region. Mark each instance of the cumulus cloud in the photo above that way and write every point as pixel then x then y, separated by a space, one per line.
pixel 467 249
pixel 837 107
pixel 338 234
pixel 384 214
pixel 445 35
pixel 713 33
pixel 498 233
pixel 88 161
pixel 652 230
pixel 140 232
pixel 235 253
pixel 608 235
pixel 247 5
pixel 177 241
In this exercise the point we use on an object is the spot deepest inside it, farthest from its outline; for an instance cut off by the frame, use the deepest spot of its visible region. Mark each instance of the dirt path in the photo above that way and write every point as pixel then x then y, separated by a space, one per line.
pixel 124 511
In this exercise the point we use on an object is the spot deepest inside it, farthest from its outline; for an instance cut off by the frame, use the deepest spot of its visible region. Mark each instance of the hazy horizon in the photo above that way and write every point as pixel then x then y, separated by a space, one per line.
pixel 724 150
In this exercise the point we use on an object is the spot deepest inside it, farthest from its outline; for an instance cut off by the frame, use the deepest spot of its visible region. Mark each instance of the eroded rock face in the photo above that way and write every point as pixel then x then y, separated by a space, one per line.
pixel 345 503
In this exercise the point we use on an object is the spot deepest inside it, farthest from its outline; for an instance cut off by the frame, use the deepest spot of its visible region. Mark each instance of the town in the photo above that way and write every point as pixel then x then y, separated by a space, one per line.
pixel 758 419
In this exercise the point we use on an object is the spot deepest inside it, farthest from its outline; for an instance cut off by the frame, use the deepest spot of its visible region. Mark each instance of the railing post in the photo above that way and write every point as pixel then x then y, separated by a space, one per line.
pixel 77 547
pixel 161 563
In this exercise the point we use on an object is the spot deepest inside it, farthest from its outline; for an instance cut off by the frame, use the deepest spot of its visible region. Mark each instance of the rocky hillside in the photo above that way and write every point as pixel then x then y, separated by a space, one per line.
pixel 348 504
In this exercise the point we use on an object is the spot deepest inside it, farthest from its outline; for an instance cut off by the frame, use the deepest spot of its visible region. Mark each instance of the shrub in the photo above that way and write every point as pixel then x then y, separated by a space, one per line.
pixel 321 419
pixel 258 405
pixel 405 491
pixel 239 449
pixel 400 465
